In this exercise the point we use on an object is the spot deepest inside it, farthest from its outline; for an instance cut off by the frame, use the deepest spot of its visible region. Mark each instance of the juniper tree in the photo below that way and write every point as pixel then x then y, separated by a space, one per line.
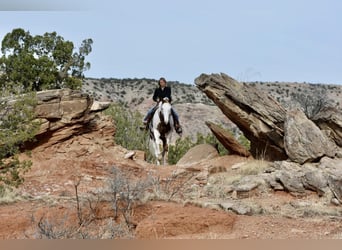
pixel 43 61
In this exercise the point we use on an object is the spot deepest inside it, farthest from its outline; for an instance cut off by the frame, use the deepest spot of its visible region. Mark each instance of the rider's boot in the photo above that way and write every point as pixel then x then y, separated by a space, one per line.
pixel 178 128
pixel 146 121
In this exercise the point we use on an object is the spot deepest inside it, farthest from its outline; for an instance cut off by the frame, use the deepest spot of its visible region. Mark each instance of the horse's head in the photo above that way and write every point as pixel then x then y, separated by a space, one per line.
pixel 165 110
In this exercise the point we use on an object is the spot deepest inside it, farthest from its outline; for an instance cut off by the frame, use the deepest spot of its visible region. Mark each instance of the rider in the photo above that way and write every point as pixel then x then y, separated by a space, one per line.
pixel 159 94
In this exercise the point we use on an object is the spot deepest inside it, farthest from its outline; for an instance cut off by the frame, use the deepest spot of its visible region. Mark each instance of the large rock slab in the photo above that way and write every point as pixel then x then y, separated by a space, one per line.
pixel 64 113
pixel 65 104
pixel 228 140
pixel 197 154
pixel 262 120
pixel 330 120
pixel 323 177
pixel 304 141
pixel 256 114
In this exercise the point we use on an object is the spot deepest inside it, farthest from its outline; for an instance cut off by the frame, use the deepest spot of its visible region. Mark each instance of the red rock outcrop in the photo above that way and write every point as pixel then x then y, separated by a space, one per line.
pixel 64 113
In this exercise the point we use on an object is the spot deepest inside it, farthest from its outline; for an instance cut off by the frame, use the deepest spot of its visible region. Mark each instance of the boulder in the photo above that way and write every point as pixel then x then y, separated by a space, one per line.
pixel 275 134
pixel 64 113
pixel 323 177
pixel 331 166
pixel 228 140
pixel 256 114
pixel 316 181
pixel 291 180
pixel 304 141
pixel 99 106
pixel 335 185
pixel 63 104
pixel 332 169
pixel 198 154
pixel 330 120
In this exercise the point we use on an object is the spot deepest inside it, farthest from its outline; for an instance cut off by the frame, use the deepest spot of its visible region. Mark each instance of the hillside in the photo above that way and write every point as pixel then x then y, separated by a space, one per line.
pixel 189 102
pixel 284 92
pixel 134 92
pixel 192 104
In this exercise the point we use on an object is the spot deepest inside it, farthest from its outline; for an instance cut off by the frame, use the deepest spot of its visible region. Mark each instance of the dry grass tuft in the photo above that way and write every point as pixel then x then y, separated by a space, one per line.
pixel 10 196
pixel 253 167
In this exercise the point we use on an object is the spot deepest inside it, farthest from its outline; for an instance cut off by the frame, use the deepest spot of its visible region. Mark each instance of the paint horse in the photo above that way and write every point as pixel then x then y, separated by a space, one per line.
pixel 161 128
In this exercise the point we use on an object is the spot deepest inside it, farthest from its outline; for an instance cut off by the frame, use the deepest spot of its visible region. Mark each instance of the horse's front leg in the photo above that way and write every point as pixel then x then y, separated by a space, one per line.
pixel 161 155
pixel 165 158
pixel 165 152
pixel 166 142
pixel 158 147
pixel 158 153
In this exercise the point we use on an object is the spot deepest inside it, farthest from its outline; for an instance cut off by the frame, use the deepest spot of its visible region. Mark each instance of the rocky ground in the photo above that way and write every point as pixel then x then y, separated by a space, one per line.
pixel 184 201
pixel 82 185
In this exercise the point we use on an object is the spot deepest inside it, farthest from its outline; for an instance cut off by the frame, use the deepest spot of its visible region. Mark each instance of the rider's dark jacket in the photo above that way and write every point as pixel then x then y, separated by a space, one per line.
pixel 160 93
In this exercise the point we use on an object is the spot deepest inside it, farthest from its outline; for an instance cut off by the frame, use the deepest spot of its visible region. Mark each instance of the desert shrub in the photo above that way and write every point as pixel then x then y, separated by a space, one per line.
pixel 17 126
pixel 244 142
pixel 126 192
pixel 175 186
pixel 150 91
pixel 253 167
pixel 312 104
pixel 134 100
pixel 128 133
pixel 181 146
pixel 141 100
pixel 81 223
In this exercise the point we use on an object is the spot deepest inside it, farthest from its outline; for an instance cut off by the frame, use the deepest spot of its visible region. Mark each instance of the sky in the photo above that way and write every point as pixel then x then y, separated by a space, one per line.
pixel 250 40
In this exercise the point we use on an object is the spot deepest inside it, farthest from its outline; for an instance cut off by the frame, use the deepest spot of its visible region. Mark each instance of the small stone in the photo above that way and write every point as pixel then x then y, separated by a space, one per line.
pixel 335 201
pixel 130 155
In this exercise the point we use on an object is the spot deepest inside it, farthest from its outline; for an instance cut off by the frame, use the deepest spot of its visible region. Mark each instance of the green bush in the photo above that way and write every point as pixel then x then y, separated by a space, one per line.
pixel 182 145
pixel 128 133
pixel 17 126
pixel 42 62
pixel 244 142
